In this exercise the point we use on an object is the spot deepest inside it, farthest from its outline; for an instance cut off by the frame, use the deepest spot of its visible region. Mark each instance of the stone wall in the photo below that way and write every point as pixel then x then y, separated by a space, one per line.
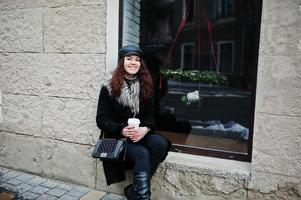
pixel 1 118
pixel 276 160
pixel 52 60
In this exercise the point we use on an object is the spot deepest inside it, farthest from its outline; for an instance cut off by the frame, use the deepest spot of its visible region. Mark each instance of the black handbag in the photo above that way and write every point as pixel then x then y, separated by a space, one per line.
pixel 110 149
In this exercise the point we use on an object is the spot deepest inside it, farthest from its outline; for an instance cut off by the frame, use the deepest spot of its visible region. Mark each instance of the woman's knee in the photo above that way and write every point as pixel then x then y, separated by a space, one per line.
pixel 158 141
pixel 140 152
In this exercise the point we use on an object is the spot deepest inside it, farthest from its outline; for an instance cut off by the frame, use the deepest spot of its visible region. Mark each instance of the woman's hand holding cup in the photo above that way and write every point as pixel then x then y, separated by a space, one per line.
pixel 129 131
pixel 133 131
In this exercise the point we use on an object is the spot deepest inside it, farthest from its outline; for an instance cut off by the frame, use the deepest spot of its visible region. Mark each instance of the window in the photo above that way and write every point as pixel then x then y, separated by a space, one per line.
pixel 205 75
pixel 187 55
pixel 225 57
pixel 189 10
pixel 225 8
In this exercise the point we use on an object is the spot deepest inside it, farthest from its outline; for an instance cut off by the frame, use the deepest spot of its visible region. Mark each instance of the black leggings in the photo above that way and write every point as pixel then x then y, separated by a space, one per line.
pixel 146 154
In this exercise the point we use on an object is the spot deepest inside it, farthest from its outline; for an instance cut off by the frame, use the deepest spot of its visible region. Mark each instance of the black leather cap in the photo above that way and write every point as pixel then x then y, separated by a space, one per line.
pixel 130 50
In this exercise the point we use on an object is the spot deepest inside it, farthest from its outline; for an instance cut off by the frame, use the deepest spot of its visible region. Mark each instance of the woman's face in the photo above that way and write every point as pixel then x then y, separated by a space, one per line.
pixel 131 65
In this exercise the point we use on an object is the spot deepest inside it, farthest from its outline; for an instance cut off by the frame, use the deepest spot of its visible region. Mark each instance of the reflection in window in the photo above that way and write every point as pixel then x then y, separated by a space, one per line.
pixel 225 8
pixel 187 56
pixel 189 10
pixel 204 75
pixel 225 55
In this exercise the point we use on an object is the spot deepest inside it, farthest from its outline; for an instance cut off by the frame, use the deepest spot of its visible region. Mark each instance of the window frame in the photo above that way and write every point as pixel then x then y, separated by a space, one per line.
pixel 183 45
pixel 192 21
pixel 219 12
pixel 245 157
pixel 222 42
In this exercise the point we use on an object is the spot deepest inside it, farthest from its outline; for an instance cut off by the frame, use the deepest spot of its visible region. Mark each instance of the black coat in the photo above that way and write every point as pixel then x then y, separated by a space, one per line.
pixel 111 118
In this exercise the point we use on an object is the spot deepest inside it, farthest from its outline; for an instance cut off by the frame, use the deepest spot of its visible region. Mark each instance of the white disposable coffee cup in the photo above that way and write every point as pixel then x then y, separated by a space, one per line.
pixel 134 122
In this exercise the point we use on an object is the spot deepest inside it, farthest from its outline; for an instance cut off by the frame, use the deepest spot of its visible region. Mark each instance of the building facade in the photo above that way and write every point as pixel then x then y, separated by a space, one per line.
pixel 53 58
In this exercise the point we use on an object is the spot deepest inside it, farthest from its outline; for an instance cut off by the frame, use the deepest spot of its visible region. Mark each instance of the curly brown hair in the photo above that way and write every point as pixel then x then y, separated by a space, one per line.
pixel 144 78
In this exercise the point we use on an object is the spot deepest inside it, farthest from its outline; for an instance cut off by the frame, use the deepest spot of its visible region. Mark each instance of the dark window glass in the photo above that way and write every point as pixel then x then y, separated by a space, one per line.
pixel 225 8
pixel 187 56
pixel 225 57
pixel 204 72
pixel 188 10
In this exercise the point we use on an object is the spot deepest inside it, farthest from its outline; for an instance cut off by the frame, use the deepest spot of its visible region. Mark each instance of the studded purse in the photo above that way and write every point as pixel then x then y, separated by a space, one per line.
pixel 109 149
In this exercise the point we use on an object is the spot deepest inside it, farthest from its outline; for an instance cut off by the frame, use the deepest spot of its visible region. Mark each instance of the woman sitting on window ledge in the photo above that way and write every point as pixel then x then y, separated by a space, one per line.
pixel 126 95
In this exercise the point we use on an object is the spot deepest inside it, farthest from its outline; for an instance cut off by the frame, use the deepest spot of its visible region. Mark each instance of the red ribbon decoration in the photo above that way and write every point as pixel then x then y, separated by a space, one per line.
pixel 180 28
pixel 209 28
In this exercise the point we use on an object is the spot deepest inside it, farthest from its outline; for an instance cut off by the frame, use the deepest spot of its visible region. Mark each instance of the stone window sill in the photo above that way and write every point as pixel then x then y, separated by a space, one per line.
pixel 208 165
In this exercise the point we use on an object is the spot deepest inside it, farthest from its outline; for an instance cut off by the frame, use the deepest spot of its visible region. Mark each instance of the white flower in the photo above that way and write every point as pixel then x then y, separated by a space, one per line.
pixel 193 96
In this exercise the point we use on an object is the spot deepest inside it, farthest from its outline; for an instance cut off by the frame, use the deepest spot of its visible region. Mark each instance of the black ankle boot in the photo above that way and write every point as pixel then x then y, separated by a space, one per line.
pixel 141 186
pixel 129 192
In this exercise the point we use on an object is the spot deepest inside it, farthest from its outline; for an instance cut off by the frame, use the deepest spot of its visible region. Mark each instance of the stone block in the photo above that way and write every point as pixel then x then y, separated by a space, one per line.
pixel 68 162
pixel 17 4
pixel 18 73
pixel 65 187
pixel 75 29
pixel 266 183
pixel 114 197
pixel 56 192
pixel 207 165
pixel 279 85
pixel 70 120
pixel 14 182
pixel 76 193
pixel 3 171
pixel 287 192
pixel 20 4
pixel 20 152
pixel 1 117
pixel 39 190
pixel 29 195
pixel 36 181
pixel 190 185
pixel 67 197
pixel 45 196
pixel 21 30
pixel 94 194
pixel 76 76
pixel 277 144
pixel 63 3
pixel 24 177
pixel 8 187
pixel 11 175
pixel 281 28
pixel 48 157
pixel 23 187
pixel 50 184
pixel 22 114
pixel 63 75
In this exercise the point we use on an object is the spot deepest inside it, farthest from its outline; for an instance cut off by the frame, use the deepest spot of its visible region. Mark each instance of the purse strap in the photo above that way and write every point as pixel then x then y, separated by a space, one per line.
pixel 102 134
pixel 125 150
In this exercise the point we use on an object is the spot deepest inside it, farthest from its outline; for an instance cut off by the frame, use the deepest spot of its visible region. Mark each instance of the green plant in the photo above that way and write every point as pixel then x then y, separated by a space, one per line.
pixel 206 77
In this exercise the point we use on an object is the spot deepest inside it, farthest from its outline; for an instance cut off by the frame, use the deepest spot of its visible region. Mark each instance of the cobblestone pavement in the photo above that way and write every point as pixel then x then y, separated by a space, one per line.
pixel 31 187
